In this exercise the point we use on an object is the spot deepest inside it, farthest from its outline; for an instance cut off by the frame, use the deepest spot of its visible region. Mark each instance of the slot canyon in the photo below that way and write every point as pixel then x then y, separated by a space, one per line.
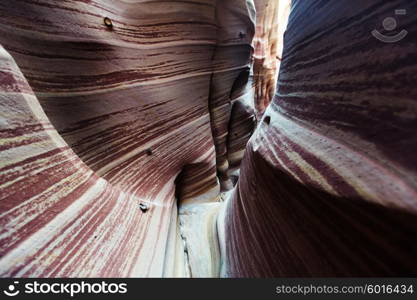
pixel 208 138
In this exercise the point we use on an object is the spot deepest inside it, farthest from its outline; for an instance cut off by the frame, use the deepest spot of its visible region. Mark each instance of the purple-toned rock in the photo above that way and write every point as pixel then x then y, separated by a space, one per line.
pixel 328 185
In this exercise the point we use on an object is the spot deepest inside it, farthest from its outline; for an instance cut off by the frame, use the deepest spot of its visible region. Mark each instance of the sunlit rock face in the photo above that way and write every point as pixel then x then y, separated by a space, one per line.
pixel 138 98
pixel 271 22
pixel 328 185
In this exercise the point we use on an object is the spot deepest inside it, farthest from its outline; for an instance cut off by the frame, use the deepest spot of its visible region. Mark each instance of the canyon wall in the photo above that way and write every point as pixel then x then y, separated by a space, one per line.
pixel 123 127
pixel 137 97
pixel 328 184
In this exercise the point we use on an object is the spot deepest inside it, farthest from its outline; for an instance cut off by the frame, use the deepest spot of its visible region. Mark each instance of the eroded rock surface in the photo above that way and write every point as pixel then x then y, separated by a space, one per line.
pixel 123 126
pixel 129 88
pixel 328 185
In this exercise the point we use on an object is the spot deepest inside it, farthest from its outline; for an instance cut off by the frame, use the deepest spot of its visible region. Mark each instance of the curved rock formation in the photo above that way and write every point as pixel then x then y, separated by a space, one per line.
pixel 328 185
pixel 130 86
pixel 123 125
pixel 58 217
pixel 272 19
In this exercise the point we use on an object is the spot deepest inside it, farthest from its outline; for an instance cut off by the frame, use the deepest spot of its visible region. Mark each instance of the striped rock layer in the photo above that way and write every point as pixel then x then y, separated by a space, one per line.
pixel 112 113
pixel 328 184
pixel 121 121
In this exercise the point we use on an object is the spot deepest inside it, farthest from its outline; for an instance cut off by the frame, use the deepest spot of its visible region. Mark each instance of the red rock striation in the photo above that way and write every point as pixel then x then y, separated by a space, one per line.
pixel 121 122
pixel 132 91
pixel 328 185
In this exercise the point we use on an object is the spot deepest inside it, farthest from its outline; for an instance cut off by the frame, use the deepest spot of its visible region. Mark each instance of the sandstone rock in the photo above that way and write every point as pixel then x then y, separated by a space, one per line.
pixel 328 185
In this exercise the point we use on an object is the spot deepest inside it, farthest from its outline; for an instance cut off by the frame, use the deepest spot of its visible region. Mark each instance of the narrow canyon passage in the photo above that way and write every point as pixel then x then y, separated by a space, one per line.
pixel 207 138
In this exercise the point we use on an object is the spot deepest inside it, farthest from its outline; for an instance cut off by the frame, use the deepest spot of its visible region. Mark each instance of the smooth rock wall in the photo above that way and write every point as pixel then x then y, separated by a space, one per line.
pixel 328 184
pixel 134 92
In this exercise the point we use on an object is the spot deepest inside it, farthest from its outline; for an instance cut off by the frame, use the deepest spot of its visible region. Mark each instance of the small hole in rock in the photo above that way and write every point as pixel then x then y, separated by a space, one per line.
pixel 148 151
pixel 108 22
pixel 143 207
